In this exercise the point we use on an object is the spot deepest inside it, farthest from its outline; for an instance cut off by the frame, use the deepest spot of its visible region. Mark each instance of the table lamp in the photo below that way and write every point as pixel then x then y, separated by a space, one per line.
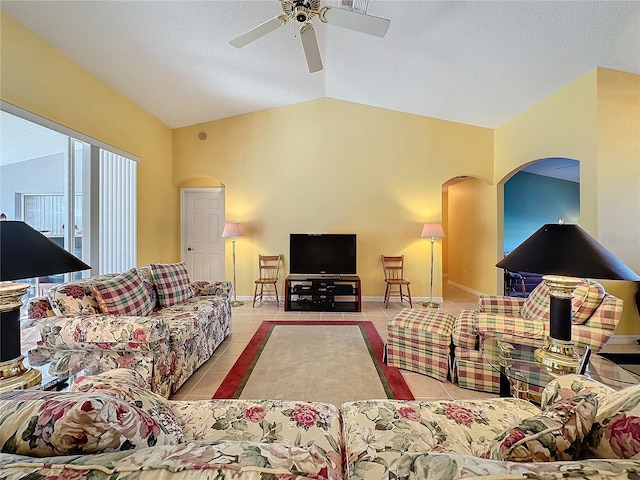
pixel 432 231
pixel 233 230
pixel 563 254
pixel 24 253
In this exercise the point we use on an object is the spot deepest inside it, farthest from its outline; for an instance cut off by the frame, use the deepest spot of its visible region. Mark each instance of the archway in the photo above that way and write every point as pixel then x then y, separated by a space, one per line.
pixel 540 192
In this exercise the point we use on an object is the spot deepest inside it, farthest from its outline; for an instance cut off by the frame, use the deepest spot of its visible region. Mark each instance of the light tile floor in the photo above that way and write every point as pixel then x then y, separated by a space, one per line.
pixel 246 320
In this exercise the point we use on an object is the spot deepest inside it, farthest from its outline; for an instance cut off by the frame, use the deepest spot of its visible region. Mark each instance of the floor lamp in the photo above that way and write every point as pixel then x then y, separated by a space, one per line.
pixel 233 230
pixel 433 231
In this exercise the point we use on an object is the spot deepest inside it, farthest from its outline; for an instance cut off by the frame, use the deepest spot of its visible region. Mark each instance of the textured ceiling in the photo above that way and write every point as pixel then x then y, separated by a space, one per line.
pixel 475 62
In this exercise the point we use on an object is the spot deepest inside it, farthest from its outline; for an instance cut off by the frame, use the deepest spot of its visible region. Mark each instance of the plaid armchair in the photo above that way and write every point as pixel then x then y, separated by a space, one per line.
pixel 526 322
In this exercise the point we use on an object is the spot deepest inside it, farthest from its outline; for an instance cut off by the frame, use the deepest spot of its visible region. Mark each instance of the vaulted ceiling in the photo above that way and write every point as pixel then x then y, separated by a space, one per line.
pixel 475 62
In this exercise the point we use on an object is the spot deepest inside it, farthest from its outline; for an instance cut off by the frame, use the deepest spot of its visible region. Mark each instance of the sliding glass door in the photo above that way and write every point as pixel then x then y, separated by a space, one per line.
pixel 77 193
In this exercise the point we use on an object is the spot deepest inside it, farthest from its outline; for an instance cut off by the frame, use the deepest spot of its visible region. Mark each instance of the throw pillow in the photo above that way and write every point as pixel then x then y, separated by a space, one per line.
pixel 587 297
pixel 172 283
pixel 616 431
pixel 124 294
pixel 554 434
pixel 73 298
pixel 536 305
pixel 155 405
pixel 147 278
pixel 41 424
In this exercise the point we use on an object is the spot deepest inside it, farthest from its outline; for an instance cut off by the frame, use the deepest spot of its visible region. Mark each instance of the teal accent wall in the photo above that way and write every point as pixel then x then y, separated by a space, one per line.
pixel 531 201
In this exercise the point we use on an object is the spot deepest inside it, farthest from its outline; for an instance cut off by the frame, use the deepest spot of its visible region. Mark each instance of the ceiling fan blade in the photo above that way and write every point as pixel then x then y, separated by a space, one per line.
pixel 311 49
pixel 259 31
pixel 359 22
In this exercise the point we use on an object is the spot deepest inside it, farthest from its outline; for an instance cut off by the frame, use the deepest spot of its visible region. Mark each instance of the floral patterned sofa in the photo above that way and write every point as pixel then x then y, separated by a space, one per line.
pixel 110 427
pixel 152 319
pixel 525 322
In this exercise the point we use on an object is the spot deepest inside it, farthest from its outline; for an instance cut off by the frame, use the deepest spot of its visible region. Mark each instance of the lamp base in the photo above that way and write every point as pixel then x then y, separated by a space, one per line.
pixel 431 305
pixel 558 356
pixel 15 376
pixel 236 303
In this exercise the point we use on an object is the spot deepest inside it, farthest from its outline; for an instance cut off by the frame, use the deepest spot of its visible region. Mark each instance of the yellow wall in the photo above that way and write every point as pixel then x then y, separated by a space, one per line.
pixel 472 235
pixel 562 125
pixel 38 78
pixel 619 181
pixel 328 166
pixel 619 164
pixel 596 120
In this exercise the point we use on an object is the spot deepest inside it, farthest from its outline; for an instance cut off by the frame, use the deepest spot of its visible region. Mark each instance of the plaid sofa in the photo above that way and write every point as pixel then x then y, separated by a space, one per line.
pixel 525 322
pixel 151 319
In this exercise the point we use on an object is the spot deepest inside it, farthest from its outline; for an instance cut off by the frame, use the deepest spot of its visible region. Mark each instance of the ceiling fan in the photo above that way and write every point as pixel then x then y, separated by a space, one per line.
pixel 303 11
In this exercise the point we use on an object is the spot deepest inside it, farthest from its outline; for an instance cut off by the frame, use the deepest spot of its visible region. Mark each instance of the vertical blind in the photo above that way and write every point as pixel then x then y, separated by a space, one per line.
pixel 117 213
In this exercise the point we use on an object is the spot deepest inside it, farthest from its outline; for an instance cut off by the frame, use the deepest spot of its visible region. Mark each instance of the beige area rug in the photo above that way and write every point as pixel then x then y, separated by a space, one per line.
pixel 316 361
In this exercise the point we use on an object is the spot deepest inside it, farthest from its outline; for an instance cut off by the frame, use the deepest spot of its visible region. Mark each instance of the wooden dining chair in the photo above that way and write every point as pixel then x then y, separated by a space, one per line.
pixel 267 284
pixel 393 267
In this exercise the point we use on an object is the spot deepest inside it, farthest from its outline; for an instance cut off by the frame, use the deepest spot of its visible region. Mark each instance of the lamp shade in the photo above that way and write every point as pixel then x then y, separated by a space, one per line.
pixel 232 229
pixel 432 230
pixel 26 253
pixel 566 250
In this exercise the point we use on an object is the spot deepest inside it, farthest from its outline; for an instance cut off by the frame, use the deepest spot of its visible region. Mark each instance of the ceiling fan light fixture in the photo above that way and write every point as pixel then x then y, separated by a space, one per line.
pixel 301 13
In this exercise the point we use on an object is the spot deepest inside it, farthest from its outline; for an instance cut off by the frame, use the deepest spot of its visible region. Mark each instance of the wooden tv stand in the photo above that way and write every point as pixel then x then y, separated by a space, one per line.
pixel 329 293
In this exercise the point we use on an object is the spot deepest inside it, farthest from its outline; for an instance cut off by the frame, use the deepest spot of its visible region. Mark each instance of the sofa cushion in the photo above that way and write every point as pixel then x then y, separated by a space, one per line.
pixel 225 460
pixel 152 403
pixel 616 432
pixel 554 434
pixel 172 283
pixel 39 423
pixel 315 425
pixel 124 294
pixel 379 430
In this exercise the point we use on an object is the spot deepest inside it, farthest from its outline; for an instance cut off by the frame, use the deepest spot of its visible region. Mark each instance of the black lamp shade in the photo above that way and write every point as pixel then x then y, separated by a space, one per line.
pixel 26 253
pixel 565 249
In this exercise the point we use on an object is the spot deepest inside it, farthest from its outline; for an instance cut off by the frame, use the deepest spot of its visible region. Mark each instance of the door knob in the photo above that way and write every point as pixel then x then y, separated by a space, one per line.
pixel 189 249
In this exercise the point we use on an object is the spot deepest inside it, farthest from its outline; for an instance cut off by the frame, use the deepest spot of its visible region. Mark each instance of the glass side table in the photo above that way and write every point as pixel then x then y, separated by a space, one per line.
pixel 520 371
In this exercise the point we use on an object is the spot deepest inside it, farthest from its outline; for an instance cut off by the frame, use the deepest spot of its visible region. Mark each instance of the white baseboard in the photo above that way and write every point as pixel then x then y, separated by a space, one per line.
pixel 414 299
pixel 466 289
pixel 623 339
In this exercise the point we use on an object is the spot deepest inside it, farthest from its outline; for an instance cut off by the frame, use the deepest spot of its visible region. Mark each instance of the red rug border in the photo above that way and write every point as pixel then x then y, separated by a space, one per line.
pixel 235 378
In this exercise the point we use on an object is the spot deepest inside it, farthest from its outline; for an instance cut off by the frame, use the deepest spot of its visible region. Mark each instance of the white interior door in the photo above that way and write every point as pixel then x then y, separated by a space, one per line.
pixel 202 222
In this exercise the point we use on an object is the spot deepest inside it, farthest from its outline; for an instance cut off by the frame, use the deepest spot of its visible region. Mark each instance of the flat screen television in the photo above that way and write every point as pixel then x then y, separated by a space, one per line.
pixel 322 254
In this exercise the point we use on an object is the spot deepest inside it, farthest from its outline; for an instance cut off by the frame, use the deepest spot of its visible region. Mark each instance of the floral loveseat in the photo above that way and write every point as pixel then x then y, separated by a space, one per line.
pixel 151 319
pixel 525 322
pixel 110 427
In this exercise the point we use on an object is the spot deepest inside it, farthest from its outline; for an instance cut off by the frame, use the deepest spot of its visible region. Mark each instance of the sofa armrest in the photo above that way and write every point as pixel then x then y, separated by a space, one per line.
pixel 500 305
pixel 103 332
pixel 599 328
pixel 221 289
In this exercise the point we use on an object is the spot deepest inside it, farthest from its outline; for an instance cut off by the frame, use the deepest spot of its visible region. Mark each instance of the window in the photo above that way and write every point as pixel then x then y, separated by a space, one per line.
pixel 76 190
